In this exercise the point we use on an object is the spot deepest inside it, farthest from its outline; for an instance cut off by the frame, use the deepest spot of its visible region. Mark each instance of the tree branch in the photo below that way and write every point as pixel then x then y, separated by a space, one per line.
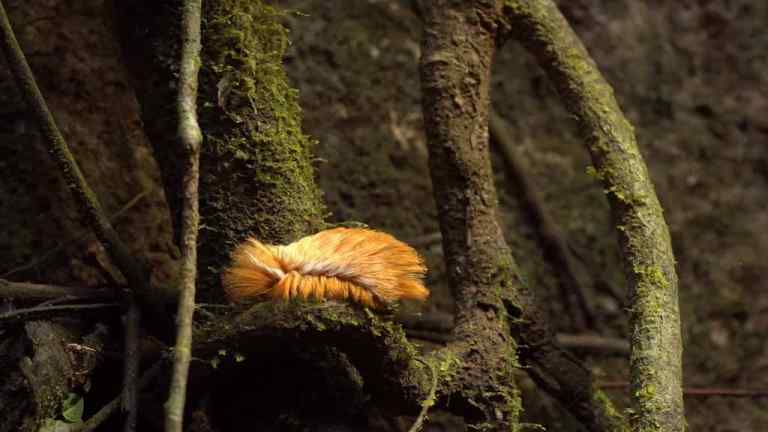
pixel 131 364
pixel 596 343
pixel 455 76
pixel 656 359
pixel 378 349
pixel 555 370
pixel 559 373
pixel 191 138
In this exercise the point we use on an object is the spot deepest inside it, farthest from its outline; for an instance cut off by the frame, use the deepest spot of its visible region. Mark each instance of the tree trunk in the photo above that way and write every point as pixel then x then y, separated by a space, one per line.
pixel 458 47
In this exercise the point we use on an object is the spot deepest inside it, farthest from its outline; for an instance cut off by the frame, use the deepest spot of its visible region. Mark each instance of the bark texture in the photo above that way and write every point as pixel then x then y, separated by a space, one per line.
pixel 256 176
pixel 190 138
pixel 458 47
pixel 376 348
pixel 656 359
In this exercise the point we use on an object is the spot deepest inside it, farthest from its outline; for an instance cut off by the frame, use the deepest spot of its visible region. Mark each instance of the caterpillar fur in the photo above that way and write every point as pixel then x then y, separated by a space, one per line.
pixel 349 264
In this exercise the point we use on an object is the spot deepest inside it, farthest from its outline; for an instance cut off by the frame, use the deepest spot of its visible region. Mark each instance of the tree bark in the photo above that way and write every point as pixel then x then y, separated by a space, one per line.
pixel 255 173
pixel 458 46
pixel 656 358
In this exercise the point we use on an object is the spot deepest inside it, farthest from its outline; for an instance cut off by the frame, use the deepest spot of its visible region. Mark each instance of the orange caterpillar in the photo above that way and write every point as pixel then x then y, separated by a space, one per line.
pixel 361 265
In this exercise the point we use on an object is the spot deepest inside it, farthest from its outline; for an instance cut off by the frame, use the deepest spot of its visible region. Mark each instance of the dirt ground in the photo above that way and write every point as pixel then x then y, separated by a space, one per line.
pixel 691 77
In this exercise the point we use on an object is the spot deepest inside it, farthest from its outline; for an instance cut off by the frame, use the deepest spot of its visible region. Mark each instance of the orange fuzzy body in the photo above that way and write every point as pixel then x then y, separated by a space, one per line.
pixel 358 265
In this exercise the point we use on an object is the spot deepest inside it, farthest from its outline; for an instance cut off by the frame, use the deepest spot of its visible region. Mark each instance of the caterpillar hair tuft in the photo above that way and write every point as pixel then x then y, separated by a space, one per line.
pixel 354 264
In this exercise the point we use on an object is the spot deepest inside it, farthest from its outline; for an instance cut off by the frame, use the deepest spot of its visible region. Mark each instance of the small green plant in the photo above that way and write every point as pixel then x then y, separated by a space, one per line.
pixel 71 415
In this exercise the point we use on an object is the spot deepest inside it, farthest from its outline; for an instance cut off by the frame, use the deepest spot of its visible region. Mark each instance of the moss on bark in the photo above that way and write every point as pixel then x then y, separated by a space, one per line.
pixel 643 234
pixel 255 164
pixel 256 172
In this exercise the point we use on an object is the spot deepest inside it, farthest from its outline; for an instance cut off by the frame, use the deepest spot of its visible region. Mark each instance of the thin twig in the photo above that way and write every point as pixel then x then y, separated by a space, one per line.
pixel 573 279
pixel 59 300
pixel 36 312
pixel 107 410
pixel 190 140
pixel 33 291
pixel 428 402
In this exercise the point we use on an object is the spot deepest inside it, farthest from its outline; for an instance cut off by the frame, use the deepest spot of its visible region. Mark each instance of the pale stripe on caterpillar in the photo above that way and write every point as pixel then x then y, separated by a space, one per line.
pixel 355 264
